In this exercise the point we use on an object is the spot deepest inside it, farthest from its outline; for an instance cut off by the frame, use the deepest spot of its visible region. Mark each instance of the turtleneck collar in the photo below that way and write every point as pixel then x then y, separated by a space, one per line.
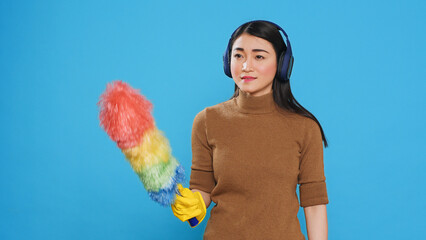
pixel 247 103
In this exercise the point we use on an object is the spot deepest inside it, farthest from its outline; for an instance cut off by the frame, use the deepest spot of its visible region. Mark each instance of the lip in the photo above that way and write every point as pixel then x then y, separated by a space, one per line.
pixel 248 78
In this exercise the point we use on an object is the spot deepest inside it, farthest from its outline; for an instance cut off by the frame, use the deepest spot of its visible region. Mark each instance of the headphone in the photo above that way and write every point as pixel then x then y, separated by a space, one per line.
pixel 285 62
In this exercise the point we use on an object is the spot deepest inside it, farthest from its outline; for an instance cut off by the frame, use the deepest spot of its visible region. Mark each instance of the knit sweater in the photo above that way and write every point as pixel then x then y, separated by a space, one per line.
pixel 249 154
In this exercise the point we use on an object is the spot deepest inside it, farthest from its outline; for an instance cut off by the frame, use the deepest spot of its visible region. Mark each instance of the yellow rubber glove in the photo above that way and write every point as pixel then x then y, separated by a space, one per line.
pixel 189 205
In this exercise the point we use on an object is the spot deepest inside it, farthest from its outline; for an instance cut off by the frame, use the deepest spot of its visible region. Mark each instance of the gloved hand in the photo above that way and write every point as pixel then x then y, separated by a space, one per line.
pixel 189 205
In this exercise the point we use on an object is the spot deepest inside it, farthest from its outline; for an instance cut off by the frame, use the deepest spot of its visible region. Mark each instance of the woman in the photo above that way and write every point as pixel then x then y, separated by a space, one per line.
pixel 250 152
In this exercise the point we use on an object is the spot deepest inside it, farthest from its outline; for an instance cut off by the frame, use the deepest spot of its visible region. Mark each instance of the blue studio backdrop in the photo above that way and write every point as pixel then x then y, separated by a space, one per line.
pixel 359 68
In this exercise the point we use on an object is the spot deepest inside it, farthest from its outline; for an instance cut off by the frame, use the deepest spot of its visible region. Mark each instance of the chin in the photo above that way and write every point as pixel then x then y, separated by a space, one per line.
pixel 248 89
pixel 258 91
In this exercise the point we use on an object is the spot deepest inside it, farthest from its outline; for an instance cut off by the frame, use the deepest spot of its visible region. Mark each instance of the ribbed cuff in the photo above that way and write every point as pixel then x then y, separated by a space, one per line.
pixel 313 194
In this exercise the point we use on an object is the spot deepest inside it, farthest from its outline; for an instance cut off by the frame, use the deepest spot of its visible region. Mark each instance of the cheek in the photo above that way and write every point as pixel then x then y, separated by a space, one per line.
pixel 234 68
pixel 235 72
pixel 268 69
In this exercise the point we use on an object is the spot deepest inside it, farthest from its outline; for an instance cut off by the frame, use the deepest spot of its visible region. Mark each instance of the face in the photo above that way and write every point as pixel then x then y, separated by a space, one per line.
pixel 253 64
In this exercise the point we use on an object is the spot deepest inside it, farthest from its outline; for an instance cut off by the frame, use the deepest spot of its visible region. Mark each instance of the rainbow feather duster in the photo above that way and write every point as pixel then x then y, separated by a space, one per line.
pixel 126 117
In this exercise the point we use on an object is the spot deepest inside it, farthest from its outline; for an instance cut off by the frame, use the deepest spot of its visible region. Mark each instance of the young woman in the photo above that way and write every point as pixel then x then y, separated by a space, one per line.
pixel 250 152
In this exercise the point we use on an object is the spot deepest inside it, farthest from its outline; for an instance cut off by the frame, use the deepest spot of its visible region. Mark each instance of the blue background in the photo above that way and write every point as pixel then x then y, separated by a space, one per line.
pixel 359 68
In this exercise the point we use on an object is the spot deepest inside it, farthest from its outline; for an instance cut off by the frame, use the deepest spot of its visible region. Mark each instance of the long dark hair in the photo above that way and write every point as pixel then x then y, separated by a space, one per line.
pixel 283 96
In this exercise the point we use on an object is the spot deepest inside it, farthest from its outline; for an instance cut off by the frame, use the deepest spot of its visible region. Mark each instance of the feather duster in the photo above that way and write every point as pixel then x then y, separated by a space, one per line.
pixel 125 115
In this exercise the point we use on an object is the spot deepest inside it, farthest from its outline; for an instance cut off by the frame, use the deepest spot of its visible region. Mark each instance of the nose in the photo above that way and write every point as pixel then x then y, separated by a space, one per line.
pixel 247 65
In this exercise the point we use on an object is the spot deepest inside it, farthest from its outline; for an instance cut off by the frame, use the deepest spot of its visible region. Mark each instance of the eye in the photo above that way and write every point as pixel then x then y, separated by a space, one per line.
pixel 260 57
pixel 237 55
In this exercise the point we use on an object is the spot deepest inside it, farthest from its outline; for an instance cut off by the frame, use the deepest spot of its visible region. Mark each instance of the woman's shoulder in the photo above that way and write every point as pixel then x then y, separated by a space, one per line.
pixel 219 108
pixel 215 110
pixel 304 124
pixel 290 115
pixel 297 121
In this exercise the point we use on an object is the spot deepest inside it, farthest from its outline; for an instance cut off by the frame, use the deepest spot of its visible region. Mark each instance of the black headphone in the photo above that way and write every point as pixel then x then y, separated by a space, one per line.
pixel 285 62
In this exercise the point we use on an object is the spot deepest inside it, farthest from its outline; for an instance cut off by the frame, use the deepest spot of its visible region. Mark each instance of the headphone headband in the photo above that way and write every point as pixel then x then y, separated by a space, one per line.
pixel 285 63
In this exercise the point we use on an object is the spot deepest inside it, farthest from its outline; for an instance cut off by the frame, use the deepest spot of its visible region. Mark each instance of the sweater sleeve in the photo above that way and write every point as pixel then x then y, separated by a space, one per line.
pixel 312 187
pixel 202 177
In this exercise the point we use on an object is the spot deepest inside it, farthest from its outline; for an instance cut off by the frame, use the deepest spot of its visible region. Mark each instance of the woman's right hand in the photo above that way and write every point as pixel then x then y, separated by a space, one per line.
pixel 189 205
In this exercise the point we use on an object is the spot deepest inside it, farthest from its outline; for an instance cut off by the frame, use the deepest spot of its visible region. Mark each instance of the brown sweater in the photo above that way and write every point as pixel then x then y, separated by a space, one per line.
pixel 249 154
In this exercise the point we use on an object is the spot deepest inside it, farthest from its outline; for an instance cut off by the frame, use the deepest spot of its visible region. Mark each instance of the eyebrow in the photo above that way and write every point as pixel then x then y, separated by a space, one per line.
pixel 254 50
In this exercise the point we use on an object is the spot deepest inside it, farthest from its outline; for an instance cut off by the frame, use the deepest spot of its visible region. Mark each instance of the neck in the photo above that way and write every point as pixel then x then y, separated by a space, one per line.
pixel 248 103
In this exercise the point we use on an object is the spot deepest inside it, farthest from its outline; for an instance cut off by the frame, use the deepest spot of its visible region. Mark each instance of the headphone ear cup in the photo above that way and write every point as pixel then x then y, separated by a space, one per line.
pixel 226 63
pixel 286 67
pixel 280 68
pixel 290 67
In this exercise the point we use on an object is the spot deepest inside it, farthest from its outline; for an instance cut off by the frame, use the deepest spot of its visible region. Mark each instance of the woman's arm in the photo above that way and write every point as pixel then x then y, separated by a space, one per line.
pixel 206 196
pixel 316 222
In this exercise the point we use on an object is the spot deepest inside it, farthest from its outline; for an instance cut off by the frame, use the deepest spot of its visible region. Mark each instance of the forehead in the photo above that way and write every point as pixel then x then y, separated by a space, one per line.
pixel 249 42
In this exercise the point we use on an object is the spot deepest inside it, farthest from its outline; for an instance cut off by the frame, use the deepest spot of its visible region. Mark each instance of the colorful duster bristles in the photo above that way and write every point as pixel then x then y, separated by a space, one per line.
pixel 126 117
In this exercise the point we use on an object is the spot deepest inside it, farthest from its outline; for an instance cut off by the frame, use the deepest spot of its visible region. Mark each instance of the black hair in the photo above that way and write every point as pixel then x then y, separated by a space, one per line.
pixel 282 94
